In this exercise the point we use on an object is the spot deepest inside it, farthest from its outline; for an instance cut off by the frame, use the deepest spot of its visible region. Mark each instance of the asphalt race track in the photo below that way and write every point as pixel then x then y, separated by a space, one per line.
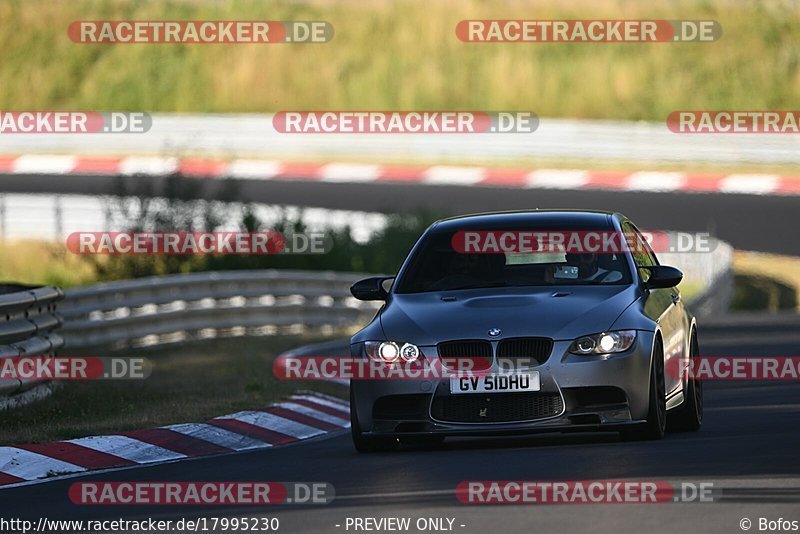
pixel 748 222
pixel 748 448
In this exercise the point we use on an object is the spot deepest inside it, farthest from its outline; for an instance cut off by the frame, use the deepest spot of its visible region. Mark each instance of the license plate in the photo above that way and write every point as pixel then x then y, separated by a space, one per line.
pixel 495 383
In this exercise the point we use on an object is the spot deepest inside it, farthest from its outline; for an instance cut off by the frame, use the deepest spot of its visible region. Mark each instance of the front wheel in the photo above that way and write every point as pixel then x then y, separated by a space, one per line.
pixel 688 417
pixel 656 424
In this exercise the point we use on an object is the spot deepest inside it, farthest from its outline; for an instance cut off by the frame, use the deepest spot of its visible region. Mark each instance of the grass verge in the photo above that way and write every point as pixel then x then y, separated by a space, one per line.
pixel 766 282
pixel 191 383
pixel 402 55
pixel 43 263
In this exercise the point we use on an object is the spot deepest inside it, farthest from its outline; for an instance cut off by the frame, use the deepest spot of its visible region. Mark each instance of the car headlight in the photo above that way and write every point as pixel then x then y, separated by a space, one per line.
pixel 604 343
pixel 392 351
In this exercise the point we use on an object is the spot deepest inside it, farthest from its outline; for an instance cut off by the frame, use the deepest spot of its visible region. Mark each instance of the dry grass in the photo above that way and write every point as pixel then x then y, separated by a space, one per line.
pixel 39 262
pixel 768 282
pixel 402 55
pixel 191 383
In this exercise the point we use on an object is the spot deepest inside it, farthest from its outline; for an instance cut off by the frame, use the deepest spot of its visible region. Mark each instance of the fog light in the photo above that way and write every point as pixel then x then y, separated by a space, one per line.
pixel 409 352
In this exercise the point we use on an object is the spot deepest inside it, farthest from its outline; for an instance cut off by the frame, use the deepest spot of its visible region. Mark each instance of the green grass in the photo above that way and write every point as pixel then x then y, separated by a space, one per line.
pixel 690 289
pixel 766 282
pixel 194 382
pixel 402 55
pixel 43 263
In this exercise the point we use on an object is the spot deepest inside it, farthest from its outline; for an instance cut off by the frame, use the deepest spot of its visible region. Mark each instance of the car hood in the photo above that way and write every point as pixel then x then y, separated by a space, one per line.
pixel 559 313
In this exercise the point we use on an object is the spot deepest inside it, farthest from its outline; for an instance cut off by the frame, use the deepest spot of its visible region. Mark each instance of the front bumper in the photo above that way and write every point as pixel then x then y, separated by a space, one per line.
pixel 581 393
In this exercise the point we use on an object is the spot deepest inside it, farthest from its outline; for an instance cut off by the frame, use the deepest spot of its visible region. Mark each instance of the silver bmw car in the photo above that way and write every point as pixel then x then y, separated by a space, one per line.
pixel 559 335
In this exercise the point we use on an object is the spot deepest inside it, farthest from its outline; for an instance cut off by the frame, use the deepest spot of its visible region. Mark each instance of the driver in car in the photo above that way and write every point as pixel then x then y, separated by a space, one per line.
pixel 590 270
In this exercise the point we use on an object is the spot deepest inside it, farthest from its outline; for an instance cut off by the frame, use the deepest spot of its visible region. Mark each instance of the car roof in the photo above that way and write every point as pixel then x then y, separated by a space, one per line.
pixel 541 218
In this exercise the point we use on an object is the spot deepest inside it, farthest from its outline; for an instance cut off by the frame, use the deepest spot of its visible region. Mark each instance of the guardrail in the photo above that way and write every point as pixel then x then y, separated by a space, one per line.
pixel 28 324
pixel 712 272
pixel 253 136
pixel 164 309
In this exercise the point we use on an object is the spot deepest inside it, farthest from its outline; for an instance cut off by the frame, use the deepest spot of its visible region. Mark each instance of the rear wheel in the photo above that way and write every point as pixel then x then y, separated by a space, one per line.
pixel 364 443
pixel 688 417
pixel 655 425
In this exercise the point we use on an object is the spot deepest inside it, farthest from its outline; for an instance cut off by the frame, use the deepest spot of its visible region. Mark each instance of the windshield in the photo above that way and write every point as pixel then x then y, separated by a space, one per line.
pixel 436 266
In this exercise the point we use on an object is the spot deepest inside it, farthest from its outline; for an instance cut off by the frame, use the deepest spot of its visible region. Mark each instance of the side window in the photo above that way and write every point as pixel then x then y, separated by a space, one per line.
pixel 643 255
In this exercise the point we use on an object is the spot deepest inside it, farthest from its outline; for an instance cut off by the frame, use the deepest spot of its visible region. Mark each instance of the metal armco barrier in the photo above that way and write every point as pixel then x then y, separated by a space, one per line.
pixel 28 327
pixel 254 136
pixel 164 309
pixel 176 308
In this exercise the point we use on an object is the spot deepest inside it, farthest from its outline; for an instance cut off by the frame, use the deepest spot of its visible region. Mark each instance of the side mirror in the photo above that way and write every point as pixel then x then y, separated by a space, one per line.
pixel 663 276
pixel 370 288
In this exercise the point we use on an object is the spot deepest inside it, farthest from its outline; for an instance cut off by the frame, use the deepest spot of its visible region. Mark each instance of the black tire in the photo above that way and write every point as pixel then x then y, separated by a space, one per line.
pixel 656 424
pixel 688 417
pixel 364 443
